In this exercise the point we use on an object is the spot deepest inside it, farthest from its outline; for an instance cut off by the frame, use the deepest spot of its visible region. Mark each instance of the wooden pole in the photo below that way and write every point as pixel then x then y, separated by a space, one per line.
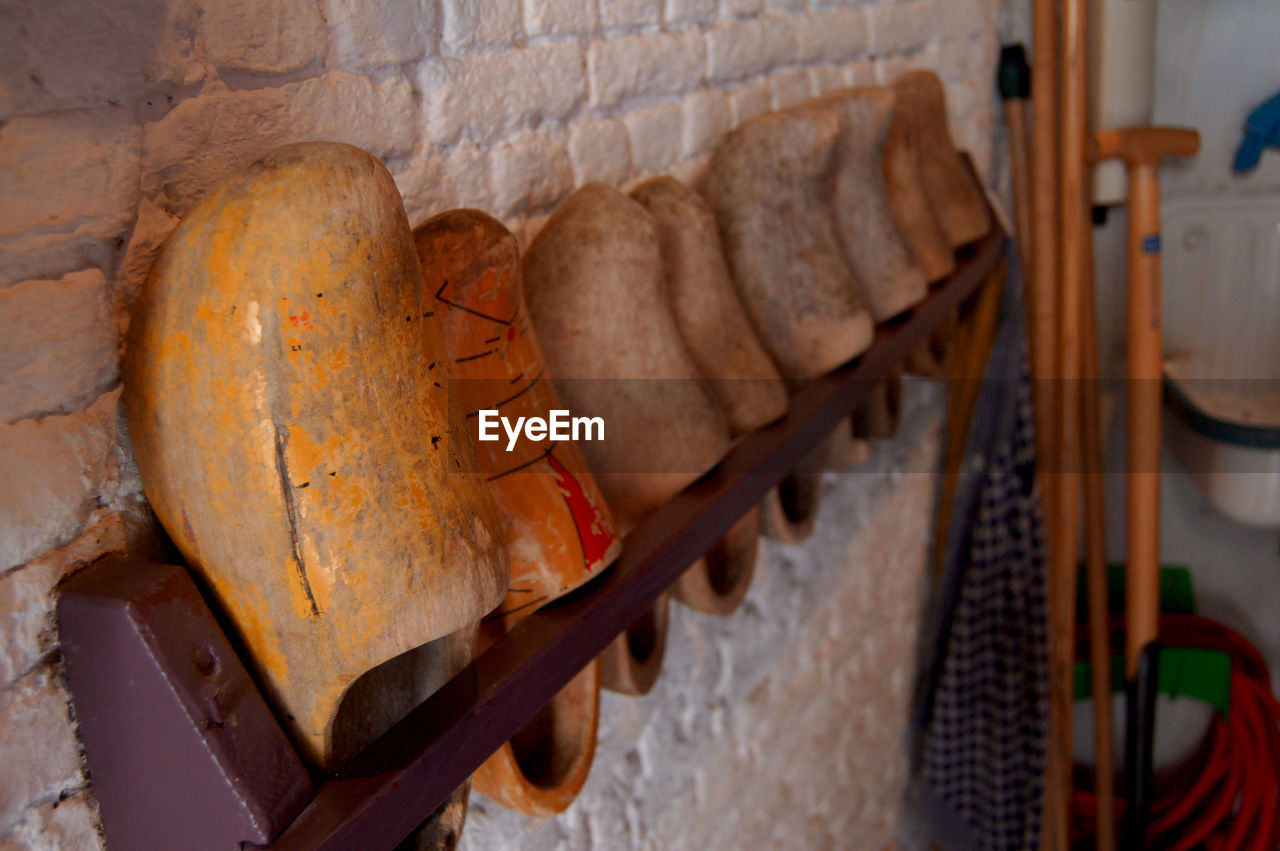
pixel 1042 302
pixel 1074 222
pixel 1043 268
pixel 1096 561
pixel 1042 326
pixel 1015 87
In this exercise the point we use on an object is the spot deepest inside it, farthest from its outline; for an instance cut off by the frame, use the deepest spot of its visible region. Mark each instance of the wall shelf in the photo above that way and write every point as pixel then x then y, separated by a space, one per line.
pixel 390 788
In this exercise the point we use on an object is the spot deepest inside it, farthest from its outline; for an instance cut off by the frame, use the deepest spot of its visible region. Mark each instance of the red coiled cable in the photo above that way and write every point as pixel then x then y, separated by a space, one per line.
pixel 1234 802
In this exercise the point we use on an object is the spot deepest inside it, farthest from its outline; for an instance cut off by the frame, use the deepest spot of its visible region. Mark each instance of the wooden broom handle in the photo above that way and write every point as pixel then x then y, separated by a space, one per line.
pixel 1142 149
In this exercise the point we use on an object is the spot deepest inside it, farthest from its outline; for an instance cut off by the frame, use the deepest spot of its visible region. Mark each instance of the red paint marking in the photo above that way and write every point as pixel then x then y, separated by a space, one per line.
pixel 594 533
pixel 511 334
pixel 301 320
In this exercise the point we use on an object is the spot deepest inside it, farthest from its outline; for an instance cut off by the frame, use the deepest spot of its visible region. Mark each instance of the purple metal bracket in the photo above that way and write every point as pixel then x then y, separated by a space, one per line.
pixel 182 750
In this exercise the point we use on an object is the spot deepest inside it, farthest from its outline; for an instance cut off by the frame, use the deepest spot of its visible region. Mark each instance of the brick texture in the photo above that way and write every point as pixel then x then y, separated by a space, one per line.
pixel 489 96
pixel 59 352
pixel 531 171
pixel 263 38
pixel 77 175
pixel 656 137
pixel 600 151
pixel 53 473
pixel 207 138
pixel 35 733
pixel 367 32
pixel 644 65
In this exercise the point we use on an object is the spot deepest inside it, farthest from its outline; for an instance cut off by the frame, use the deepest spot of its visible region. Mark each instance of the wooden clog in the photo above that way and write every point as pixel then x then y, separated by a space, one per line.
pixel 892 279
pixel 540 771
pixel 915 214
pixel 707 310
pixel 594 282
pixel 878 416
pixel 632 662
pixel 557 528
pixel 724 346
pixel 290 440
pixel 381 697
pixel 595 285
pixel 718 582
pixel 931 358
pixel 958 200
pixel 789 513
pixel 766 183
pixel 843 448
pixel 848 445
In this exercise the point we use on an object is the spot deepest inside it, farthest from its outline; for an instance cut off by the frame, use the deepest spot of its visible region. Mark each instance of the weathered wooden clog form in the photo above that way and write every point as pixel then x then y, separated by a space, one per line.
pixel 917 219
pixel 707 310
pixel 843 447
pixel 632 662
pixel 594 281
pixel 291 441
pixel 931 358
pixel 957 198
pixel 789 512
pixel 892 279
pixel 558 530
pixel 718 582
pixel 848 444
pixel 540 771
pixel 442 831
pixel 725 348
pixel 766 184
pixel 878 416
pixel 381 697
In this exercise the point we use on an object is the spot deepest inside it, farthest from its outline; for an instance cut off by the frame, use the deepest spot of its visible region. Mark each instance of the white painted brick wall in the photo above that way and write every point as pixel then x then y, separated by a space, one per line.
pixel 249 37
pixel 600 151
pixel 562 17
pixel 530 170
pixel 746 102
pixel 739 49
pixel 790 87
pixel 206 138
pixel 59 350
pixel 833 36
pixel 491 95
pixel 370 33
pixel 113 126
pixel 706 120
pixel 656 137
pixel 657 64
pixel 36 733
pixel 469 25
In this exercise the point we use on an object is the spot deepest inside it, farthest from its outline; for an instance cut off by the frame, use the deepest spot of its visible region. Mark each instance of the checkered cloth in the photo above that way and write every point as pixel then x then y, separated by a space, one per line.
pixel 985 714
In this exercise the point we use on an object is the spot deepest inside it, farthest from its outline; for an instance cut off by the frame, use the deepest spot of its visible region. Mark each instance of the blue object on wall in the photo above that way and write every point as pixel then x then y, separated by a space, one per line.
pixel 1261 129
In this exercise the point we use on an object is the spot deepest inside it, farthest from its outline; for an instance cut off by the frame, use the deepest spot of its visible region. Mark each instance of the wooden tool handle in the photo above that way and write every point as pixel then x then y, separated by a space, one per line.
pixel 1145 145
pixel 1142 149
pixel 1143 558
